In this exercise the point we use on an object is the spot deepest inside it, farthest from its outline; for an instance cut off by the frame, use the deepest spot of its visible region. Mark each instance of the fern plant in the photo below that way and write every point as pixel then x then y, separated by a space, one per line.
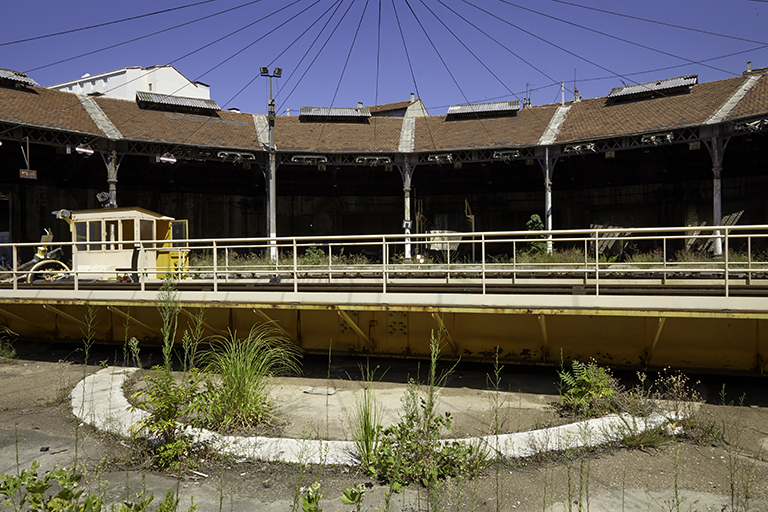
pixel 587 390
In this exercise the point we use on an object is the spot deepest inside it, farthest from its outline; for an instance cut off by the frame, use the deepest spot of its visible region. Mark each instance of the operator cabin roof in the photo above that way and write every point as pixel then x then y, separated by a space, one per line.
pixel 692 105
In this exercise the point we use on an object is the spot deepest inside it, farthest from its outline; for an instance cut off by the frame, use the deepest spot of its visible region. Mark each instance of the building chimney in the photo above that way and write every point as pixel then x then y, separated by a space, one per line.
pixel 359 104
pixel 413 98
pixel 749 66
pixel 576 95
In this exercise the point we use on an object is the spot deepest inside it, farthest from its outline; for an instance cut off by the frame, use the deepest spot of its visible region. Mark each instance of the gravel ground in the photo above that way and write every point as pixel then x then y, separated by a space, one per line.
pixel 36 423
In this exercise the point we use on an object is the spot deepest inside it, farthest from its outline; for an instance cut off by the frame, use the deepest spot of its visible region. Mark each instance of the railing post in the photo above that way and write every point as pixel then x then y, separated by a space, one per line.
pixel 295 268
pixel 226 264
pixel 385 262
pixel 142 266
pixel 215 267
pixel 15 260
pixel 482 252
pixel 330 262
pixel 75 257
pixel 597 262
pixel 726 231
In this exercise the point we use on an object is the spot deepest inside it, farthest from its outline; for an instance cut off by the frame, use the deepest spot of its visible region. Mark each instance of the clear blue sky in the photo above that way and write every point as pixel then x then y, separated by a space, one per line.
pixel 502 49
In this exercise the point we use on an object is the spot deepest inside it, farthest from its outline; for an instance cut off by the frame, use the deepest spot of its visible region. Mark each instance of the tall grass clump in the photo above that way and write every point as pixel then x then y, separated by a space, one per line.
pixel 366 419
pixel 244 366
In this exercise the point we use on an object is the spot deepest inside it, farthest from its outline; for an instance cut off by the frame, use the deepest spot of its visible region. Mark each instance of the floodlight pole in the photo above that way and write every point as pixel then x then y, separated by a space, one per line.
pixel 271 171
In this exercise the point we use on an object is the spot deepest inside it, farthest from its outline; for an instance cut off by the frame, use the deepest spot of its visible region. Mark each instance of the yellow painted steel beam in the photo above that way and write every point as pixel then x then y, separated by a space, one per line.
pixel 8 314
pixel 133 320
pixel 343 314
pixel 444 329
pixel 59 312
pixel 545 347
pixel 277 326
pixel 659 328
pixel 194 319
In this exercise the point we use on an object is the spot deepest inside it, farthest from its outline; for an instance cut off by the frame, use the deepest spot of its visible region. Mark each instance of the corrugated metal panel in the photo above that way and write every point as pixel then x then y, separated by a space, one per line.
pixel 478 108
pixel 176 101
pixel 335 111
pixel 658 85
pixel 16 76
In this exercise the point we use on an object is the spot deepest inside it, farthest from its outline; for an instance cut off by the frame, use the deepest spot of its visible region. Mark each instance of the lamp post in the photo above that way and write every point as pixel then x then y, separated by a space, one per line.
pixel 270 173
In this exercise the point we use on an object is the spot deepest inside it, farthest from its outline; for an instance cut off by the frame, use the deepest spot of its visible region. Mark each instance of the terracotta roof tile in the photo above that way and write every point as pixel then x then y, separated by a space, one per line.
pixel 375 134
pixel 224 130
pixel 436 133
pixel 599 118
pixel 392 106
pixel 754 103
pixel 41 107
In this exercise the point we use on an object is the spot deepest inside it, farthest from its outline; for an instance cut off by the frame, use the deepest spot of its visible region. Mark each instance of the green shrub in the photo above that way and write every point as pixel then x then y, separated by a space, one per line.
pixel 587 391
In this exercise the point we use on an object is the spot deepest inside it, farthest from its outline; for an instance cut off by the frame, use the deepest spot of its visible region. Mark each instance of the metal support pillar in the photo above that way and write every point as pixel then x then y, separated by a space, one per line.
pixel 271 181
pixel 716 147
pixel 113 164
pixel 406 172
pixel 548 168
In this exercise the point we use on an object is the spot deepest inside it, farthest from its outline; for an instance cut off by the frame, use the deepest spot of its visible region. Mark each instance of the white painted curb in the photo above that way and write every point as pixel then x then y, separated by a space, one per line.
pixel 99 401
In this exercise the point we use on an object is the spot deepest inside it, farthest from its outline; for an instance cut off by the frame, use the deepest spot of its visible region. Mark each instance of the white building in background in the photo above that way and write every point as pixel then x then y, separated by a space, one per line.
pixel 124 83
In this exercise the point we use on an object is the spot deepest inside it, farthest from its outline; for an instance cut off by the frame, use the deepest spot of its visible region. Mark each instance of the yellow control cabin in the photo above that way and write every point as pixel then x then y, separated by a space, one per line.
pixel 119 243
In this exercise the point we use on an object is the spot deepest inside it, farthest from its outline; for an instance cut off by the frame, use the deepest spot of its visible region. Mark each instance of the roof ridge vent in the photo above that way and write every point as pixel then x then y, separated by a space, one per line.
pixel 484 109
pixel 15 78
pixel 648 89
pixel 359 112
pixel 156 101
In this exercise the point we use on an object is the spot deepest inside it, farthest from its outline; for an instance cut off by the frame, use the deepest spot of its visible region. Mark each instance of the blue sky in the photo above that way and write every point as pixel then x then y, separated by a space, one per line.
pixel 339 52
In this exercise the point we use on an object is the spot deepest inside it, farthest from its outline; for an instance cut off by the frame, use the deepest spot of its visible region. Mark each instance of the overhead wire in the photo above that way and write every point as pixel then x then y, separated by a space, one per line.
pixel 105 24
pixel 471 53
pixel 672 25
pixel 559 47
pixel 275 59
pixel 344 68
pixel 606 34
pixel 92 52
pixel 410 67
pixel 330 36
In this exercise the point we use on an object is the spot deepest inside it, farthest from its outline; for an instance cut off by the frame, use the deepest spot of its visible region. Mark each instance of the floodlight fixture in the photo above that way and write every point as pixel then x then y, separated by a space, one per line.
pixel 278 72
pixel 84 150
pixel 264 71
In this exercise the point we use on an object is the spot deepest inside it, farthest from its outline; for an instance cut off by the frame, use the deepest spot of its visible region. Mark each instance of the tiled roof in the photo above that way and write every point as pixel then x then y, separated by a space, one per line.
pixel 392 106
pixel 600 118
pixel 754 103
pixel 375 134
pixel 223 130
pixel 40 107
pixel 588 120
pixel 436 133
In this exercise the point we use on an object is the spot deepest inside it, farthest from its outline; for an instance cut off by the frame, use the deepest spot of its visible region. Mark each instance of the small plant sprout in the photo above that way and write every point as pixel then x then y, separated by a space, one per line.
pixel 311 500
pixel 354 496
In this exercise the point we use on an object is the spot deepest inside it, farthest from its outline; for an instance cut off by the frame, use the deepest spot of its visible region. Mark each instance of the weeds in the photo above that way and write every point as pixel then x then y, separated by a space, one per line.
pixel 7 337
pixel 366 420
pixel 411 450
pixel 244 365
pixel 587 391
pixel 169 309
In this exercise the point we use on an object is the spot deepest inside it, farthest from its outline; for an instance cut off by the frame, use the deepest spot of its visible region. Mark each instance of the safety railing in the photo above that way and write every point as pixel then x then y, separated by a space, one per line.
pixel 714 258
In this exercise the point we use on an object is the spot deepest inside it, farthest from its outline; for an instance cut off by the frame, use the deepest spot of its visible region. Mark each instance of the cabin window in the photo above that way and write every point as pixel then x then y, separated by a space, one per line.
pixel 94 235
pixel 147 231
pixel 113 235
pixel 81 235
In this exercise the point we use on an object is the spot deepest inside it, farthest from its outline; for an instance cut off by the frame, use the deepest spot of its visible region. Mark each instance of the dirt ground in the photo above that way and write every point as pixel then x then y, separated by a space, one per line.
pixel 36 423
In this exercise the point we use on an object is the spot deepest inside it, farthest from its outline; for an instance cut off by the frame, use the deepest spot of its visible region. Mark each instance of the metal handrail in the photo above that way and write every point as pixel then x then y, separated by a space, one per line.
pixel 332 267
